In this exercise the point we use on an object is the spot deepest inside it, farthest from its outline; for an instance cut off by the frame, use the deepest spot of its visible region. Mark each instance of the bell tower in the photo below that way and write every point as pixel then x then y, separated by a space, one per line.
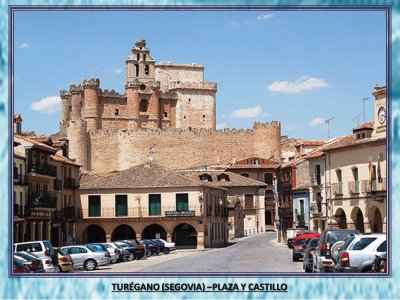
pixel 143 105
pixel 380 111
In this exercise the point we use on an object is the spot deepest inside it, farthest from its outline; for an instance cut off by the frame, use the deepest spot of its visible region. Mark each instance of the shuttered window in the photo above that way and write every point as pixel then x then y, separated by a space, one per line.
pixel 154 204
pixel 121 205
pixel 182 202
pixel 94 206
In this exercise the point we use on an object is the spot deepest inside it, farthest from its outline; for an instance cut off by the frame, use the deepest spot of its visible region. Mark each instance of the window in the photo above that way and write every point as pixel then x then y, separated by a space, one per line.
pixel 136 70
pixel 361 244
pixel 340 183
pixel 121 205
pixel 205 177
pixel 301 204
pixel 138 56
pixel 182 202
pixel 318 174
pixel 255 162
pixel 355 175
pixel 268 178
pixel 223 177
pixel 245 175
pixel 248 201
pixel 94 206
pixel 165 114
pixel 204 116
pixel 382 247
pixel 116 112
pixel 144 56
pixel 154 205
pixel 146 70
pixel 373 177
pixel 144 104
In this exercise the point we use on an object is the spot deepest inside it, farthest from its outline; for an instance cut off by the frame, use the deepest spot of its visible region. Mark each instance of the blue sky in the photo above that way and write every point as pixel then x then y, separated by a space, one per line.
pixel 297 67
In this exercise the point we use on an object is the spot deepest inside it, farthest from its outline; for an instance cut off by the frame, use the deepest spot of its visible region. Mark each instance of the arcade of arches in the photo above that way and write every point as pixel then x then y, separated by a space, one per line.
pixel 372 221
pixel 183 234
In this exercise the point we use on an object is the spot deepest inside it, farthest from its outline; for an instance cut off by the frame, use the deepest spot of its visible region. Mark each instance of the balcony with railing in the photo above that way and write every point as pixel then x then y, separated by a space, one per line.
pixel 338 188
pixel 20 179
pixel 354 187
pixel 42 200
pixel 129 212
pixel 316 209
pixel 377 185
pixel 69 183
pixel 42 169
pixel 19 210
pixel 315 180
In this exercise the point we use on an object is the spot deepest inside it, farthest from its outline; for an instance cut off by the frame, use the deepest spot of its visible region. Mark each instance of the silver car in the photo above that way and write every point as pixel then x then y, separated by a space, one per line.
pixel 85 258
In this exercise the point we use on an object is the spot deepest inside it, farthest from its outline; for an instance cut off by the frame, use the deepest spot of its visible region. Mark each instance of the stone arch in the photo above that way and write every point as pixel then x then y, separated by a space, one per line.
pixel 123 232
pixel 341 218
pixel 93 233
pixel 185 235
pixel 154 231
pixel 358 219
pixel 375 219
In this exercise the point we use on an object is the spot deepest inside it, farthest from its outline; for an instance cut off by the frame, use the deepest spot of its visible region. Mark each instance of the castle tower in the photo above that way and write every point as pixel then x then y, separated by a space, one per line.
pixel 91 96
pixel 65 106
pixel 142 91
pixel 76 102
pixel 267 139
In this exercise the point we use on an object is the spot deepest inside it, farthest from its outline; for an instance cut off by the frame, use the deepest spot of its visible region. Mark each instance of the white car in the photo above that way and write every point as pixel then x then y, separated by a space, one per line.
pixel 42 249
pixel 168 246
pixel 115 252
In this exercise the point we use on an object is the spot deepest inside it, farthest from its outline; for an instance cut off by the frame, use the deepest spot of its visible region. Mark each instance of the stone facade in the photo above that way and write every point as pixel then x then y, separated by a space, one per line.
pixel 167 112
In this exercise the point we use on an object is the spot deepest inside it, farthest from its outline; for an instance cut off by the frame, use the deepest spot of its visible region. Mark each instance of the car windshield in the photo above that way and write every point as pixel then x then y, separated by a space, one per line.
pixel 302 241
pixel 334 236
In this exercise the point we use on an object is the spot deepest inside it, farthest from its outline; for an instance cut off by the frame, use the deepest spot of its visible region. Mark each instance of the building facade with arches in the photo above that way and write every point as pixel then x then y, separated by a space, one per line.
pixel 150 201
pixel 357 174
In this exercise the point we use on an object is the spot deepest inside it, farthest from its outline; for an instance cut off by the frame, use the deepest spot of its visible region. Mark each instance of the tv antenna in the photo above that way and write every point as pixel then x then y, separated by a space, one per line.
pixel 329 131
pixel 364 99
pixel 358 119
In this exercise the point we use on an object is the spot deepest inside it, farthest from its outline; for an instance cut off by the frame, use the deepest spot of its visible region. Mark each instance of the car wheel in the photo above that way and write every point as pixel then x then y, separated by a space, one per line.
pixel 90 265
pixel 131 257
pixel 149 253
pixel 166 251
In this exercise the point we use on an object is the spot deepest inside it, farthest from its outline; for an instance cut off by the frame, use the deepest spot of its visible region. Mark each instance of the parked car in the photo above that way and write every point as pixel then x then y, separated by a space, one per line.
pixel 322 259
pixel 308 254
pixel 42 249
pixel 152 247
pixel 103 247
pixel 166 247
pixel 62 261
pixel 114 252
pixel 134 251
pixel 123 254
pixel 300 243
pixel 358 255
pixel 141 249
pixel 19 267
pixel 84 257
pixel 379 264
pixel 31 261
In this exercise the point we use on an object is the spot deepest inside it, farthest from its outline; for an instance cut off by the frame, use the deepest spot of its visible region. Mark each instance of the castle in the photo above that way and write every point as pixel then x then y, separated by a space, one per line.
pixel 167 112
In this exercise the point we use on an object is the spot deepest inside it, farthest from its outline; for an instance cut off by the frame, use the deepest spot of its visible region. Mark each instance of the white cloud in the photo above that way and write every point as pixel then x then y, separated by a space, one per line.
pixel 304 83
pixel 290 126
pixel 47 105
pixel 118 70
pixel 316 121
pixel 250 112
pixel 221 125
pixel 24 46
pixel 264 17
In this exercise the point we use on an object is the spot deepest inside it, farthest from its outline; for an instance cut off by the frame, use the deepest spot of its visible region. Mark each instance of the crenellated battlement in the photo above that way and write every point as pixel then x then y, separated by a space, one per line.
pixel 64 94
pixel 177 85
pixel 266 125
pixel 111 94
pixel 75 89
pixel 165 64
pixel 91 83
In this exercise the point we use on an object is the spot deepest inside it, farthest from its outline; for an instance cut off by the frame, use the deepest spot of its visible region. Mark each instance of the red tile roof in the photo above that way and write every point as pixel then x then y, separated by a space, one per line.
pixel 64 159
pixel 310 142
pixel 35 143
pixel 351 140
pixel 367 125
pixel 145 175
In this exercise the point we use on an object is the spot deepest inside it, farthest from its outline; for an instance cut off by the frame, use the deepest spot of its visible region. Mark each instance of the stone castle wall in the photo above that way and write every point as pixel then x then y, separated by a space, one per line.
pixel 109 150
pixel 170 72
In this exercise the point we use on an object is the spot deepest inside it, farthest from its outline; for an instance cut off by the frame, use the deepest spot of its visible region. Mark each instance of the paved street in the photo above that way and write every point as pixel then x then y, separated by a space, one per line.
pixel 259 253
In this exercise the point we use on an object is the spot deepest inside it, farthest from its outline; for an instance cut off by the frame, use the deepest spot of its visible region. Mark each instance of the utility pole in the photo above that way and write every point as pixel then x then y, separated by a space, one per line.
pixel 329 132
pixel 364 99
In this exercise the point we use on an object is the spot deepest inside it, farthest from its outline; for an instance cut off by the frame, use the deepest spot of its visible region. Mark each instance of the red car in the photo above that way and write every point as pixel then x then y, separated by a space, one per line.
pixel 300 243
